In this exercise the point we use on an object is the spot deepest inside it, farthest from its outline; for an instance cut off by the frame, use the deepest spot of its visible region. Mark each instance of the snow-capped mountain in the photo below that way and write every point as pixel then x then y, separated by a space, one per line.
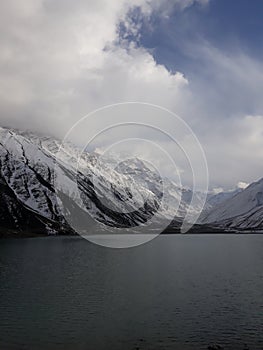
pixel 38 173
pixel 32 171
pixel 243 211
pixel 49 187
pixel 28 200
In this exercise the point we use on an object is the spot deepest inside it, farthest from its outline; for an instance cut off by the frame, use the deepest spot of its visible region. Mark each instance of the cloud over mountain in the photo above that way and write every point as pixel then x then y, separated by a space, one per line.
pixel 62 59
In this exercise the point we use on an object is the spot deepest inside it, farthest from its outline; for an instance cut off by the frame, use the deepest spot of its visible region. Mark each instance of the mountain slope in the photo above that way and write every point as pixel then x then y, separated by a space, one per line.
pixel 243 211
pixel 28 200
pixel 36 174
pixel 218 198
pixel 39 173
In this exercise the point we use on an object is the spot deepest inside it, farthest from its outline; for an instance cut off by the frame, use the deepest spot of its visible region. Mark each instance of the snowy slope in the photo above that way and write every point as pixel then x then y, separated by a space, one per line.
pixel 28 170
pixel 28 194
pixel 34 169
pixel 243 211
pixel 38 172
pixel 218 198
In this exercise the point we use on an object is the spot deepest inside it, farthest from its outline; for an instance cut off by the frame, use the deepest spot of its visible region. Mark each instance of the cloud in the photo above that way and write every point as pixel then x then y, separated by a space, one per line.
pixel 234 150
pixel 224 107
pixel 62 59
pixel 235 79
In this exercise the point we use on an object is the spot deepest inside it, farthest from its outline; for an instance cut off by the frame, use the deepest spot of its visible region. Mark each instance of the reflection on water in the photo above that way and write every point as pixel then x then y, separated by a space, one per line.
pixel 176 292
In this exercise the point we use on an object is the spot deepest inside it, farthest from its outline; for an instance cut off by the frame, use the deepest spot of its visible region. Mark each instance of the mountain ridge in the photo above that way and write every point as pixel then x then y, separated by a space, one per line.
pixel 29 202
pixel 243 211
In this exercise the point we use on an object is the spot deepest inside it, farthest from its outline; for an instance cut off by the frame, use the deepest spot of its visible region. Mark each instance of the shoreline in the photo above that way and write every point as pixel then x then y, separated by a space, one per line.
pixel 20 235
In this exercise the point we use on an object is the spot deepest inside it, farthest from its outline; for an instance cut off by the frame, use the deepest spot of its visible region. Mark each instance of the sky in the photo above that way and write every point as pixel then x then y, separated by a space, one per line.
pixel 200 59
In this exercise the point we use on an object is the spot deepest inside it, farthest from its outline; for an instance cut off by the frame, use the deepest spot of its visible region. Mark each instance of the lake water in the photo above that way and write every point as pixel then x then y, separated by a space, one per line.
pixel 176 292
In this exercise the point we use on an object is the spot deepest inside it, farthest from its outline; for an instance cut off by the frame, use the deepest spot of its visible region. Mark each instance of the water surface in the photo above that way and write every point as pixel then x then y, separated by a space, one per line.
pixel 176 292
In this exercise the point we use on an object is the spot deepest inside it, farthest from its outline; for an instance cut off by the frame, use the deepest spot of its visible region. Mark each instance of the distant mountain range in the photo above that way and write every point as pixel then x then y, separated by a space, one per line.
pixel 31 192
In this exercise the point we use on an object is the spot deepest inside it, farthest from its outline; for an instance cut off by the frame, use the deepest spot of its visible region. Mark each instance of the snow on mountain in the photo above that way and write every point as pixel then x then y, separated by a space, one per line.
pixel 242 211
pixel 35 168
pixel 178 198
pixel 135 173
pixel 28 166
pixel 38 173
pixel 28 200
pixel 216 199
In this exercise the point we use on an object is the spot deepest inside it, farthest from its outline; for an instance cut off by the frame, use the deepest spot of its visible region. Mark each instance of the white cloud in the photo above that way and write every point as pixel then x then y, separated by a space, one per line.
pixel 225 107
pixel 234 150
pixel 61 59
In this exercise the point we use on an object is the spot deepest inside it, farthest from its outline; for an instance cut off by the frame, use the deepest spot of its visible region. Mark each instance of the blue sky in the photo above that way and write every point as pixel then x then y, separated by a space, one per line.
pixel 228 25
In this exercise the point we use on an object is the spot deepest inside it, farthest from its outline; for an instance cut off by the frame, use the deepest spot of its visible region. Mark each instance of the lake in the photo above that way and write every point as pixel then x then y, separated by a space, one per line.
pixel 175 292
